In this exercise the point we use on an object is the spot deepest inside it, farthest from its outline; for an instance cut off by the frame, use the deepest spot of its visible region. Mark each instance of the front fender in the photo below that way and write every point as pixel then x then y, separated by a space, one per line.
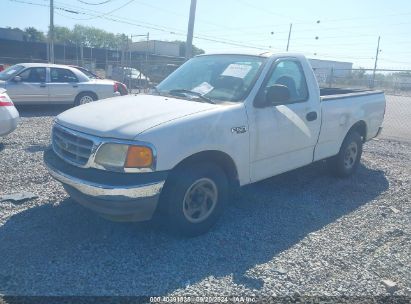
pixel 211 130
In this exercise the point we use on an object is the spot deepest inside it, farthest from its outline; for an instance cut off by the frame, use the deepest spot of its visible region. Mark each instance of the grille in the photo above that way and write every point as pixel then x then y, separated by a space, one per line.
pixel 71 147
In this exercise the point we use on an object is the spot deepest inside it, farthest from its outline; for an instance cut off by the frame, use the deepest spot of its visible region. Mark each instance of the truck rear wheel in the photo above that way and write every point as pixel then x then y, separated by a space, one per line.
pixel 347 160
pixel 195 198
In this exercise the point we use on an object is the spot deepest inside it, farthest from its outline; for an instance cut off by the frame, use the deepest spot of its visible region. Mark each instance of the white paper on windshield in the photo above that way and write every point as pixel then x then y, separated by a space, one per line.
pixel 203 88
pixel 237 70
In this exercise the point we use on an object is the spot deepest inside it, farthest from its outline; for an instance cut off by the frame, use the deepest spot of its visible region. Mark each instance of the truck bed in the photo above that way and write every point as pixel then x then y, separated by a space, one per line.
pixel 341 109
pixel 341 93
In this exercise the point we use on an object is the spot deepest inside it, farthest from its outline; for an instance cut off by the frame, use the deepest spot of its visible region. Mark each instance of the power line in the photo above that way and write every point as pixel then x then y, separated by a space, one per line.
pixel 237 44
pixel 181 32
pixel 206 38
pixel 90 3
pixel 110 12
pixel 45 5
pixel 166 30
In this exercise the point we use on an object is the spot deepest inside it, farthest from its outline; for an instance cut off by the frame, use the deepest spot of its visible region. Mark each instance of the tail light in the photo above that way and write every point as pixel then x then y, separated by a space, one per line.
pixel 116 87
pixel 125 90
pixel 5 101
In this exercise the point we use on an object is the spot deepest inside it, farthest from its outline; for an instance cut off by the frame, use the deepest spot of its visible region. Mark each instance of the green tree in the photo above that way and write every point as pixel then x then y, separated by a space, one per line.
pixel 196 50
pixel 33 35
pixel 63 35
pixel 358 74
pixel 97 38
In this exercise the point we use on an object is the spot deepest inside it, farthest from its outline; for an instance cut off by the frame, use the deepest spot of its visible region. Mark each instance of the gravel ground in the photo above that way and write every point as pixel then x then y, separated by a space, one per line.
pixel 301 233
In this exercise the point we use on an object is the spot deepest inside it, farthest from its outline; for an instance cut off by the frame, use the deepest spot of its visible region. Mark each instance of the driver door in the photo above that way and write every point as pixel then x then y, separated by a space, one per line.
pixel 284 135
pixel 32 89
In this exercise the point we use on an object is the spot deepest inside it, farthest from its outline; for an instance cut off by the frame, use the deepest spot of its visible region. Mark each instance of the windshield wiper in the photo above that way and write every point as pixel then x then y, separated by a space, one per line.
pixel 184 91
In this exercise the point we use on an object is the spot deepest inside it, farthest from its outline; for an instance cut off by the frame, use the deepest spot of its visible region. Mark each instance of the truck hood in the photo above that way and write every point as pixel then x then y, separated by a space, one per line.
pixel 127 116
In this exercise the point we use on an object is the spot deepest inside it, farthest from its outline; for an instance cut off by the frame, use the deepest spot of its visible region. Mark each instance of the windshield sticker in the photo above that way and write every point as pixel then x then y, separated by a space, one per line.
pixel 237 70
pixel 203 88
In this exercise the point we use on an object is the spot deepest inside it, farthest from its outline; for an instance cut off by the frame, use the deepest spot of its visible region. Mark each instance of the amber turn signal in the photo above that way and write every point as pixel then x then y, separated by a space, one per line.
pixel 139 157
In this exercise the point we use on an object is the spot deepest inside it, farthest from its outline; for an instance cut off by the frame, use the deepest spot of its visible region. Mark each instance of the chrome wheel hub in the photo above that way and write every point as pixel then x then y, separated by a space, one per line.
pixel 350 155
pixel 200 200
pixel 86 99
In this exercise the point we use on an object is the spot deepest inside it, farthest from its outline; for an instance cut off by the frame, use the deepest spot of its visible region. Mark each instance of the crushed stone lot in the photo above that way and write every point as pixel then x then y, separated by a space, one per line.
pixel 302 233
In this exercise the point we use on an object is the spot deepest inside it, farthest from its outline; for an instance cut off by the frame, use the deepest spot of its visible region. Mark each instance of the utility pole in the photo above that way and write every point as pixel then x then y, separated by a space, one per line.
pixel 376 61
pixel 147 48
pixel 190 31
pixel 289 36
pixel 51 33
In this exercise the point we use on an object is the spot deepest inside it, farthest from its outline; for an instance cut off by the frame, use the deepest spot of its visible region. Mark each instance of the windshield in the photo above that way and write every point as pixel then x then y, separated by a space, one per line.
pixel 87 73
pixel 217 77
pixel 10 72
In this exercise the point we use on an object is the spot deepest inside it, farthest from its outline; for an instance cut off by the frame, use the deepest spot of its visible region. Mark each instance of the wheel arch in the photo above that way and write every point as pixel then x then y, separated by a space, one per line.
pixel 222 159
pixel 94 94
pixel 361 128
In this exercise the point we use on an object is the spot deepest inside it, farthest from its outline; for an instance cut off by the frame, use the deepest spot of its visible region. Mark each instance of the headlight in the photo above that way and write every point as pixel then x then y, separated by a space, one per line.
pixel 124 156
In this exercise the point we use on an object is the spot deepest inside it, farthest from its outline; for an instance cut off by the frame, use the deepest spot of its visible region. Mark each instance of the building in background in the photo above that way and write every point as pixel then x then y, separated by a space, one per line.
pixel 11 34
pixel 157 47
pixel 326 69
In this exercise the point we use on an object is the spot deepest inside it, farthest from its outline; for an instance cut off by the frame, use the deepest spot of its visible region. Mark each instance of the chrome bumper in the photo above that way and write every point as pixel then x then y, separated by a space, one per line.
pixel 119 201
pixel 106 191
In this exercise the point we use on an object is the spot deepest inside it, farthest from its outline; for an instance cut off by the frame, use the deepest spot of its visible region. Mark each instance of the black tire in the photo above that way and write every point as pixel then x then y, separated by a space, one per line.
pixel 185 181
pixel 87 95
pixel 346 162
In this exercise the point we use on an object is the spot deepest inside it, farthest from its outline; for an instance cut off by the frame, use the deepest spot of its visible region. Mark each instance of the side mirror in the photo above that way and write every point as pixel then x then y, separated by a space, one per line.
pixel 277 94
pixel 17 79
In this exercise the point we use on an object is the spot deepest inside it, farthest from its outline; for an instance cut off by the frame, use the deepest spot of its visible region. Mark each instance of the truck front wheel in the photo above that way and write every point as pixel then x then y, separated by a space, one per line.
pixel 195 198
pixel 347 160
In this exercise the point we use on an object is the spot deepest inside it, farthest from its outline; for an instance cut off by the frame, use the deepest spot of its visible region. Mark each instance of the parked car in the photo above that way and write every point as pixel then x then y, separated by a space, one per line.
pixel 1 67
pixel 216 123
pixel 9 116
pixel 39 83
pixel 121 87
pixel 134 78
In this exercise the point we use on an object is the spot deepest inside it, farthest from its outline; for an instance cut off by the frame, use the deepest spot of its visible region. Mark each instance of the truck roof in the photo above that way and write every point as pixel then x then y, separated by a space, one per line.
pixel 258 54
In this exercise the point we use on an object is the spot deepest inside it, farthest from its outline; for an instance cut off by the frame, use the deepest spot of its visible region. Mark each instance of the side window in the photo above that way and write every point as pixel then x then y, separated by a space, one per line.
pixel 33 75
pixel 62 75
pixel 290 74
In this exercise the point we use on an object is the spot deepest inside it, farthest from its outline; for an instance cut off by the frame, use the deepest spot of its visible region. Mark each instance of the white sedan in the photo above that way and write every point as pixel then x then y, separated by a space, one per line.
pixel 42 83
pixel 9 117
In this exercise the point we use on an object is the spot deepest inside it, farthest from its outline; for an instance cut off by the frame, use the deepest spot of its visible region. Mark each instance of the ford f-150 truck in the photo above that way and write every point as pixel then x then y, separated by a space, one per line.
pixel 218 122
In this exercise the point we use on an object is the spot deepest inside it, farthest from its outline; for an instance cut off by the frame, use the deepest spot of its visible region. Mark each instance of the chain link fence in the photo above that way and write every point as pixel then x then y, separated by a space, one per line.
pixel 139 73
pixel 393 82
pixel 138 70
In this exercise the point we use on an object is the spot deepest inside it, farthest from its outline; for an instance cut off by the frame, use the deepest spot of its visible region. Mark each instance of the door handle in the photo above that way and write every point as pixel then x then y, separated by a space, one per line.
pixel 311 116
pixel 75 86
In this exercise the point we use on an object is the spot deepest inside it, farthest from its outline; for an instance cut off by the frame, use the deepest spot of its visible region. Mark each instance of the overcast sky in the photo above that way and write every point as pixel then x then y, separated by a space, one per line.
pixel 347 30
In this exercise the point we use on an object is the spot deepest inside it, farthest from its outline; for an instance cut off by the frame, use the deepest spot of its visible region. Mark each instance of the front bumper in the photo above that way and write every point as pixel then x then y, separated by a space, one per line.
pixel 117 196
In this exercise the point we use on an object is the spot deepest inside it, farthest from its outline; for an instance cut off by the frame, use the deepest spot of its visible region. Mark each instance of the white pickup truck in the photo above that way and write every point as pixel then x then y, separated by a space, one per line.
pixel 216 123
